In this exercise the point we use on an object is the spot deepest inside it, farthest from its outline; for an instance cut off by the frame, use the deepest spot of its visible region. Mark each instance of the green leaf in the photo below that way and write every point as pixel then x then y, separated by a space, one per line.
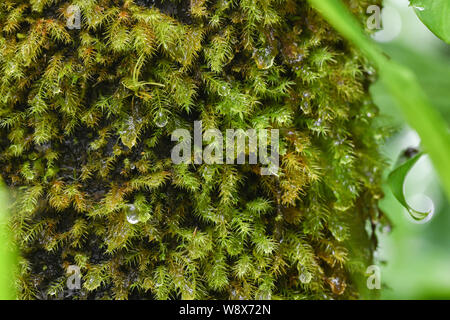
pixel 435 14
pixel 396 182
pixel 7 255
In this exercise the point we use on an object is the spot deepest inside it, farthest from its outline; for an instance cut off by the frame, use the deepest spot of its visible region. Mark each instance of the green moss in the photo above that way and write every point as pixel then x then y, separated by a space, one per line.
pixel 86 117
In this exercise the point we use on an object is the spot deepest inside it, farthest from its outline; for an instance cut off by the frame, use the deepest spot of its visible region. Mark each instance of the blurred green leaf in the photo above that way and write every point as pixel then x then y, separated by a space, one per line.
pixel 431 69
pixel 7 256
pixel 396 181
pixel 435 14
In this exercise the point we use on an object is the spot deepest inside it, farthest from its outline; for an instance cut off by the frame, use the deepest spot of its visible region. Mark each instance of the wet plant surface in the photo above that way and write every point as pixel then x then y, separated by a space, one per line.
pixel 85 123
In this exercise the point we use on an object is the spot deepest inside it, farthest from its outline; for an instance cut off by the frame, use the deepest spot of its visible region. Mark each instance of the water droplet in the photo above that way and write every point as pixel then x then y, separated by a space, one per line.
pixel 423 209
pixel 305 276
pixel 188 289
pixel 339 233
pixel 12 68
pixel 129 133
pixel 337 285
pixel 293 54
pixel 161 119
pixel 352 189
pixel 306 107
pixel 224 90
pixel 318 123
pixel 338 230
pixel 346 159
pixel 132 216
pixel 339 140
pixel 298 58
pixel 264 57
pixel 419 8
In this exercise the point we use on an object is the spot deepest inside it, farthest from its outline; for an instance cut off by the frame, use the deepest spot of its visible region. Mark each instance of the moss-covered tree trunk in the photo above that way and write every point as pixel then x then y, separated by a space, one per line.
pixel 86 117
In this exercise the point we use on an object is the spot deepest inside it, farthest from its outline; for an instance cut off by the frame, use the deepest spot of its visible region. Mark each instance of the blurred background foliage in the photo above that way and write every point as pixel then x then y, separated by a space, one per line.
pixel 7 254
pixel 414 257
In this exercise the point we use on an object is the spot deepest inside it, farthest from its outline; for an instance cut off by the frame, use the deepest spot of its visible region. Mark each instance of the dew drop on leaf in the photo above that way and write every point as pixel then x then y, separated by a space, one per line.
pixel 423 209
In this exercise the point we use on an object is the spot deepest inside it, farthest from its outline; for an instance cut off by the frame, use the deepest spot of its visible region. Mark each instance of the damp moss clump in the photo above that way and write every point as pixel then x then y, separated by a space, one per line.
pixel 85 122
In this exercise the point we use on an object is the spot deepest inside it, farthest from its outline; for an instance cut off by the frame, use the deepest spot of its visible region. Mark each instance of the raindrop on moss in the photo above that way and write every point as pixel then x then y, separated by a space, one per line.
pixel 337 284
pixel 339 140
pixel 161 119
pixel 129 133
pixel 223 90
pixel 306 107
pixel 56 90
pixel 318 123
pixel 345 160
pixel 305 276
pixel 132 216
pixel 264 57
pixel 339 232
